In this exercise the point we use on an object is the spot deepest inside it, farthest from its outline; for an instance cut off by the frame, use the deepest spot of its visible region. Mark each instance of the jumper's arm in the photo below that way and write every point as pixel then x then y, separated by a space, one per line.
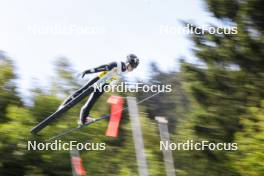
pixel 105 67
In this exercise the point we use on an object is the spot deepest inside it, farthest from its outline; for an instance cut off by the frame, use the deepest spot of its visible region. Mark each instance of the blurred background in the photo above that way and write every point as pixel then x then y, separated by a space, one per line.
pixel 217 82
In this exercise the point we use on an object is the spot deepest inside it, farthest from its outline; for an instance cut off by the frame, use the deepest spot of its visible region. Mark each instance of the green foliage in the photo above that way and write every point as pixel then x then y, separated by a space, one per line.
pixel 248 159
pixel 226 87
pixel 8 91
pixel 171 104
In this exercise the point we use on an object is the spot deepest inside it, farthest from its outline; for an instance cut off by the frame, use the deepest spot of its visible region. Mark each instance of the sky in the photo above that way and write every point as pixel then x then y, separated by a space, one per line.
pixel 94 32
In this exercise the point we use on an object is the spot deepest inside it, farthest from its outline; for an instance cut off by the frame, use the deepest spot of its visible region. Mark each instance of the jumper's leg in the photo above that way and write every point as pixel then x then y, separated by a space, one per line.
pixel 85 111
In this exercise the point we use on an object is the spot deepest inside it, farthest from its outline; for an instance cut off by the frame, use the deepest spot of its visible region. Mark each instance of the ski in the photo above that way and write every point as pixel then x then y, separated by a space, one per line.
pixel 59 112
pixel 78 128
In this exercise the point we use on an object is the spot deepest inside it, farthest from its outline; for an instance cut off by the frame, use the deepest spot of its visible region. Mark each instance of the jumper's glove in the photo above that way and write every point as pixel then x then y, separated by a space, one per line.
pixel 83 74
pixel 88 72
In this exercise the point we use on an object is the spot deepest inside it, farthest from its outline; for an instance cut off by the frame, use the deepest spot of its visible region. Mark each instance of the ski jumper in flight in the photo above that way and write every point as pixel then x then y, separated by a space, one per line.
pixel 109 74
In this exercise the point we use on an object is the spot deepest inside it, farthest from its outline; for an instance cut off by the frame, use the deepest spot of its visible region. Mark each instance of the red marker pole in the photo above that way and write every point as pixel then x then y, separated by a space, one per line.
pixel 78 167
pixel 77 164
pixel 115 116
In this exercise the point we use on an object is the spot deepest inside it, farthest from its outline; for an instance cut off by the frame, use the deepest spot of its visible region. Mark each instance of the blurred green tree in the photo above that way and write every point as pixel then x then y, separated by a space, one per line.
pixel 8 88
pixel 228 82
pixel 248 159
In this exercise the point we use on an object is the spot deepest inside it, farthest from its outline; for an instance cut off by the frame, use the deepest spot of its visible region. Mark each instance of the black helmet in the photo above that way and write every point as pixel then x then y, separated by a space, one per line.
pixel 133 60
